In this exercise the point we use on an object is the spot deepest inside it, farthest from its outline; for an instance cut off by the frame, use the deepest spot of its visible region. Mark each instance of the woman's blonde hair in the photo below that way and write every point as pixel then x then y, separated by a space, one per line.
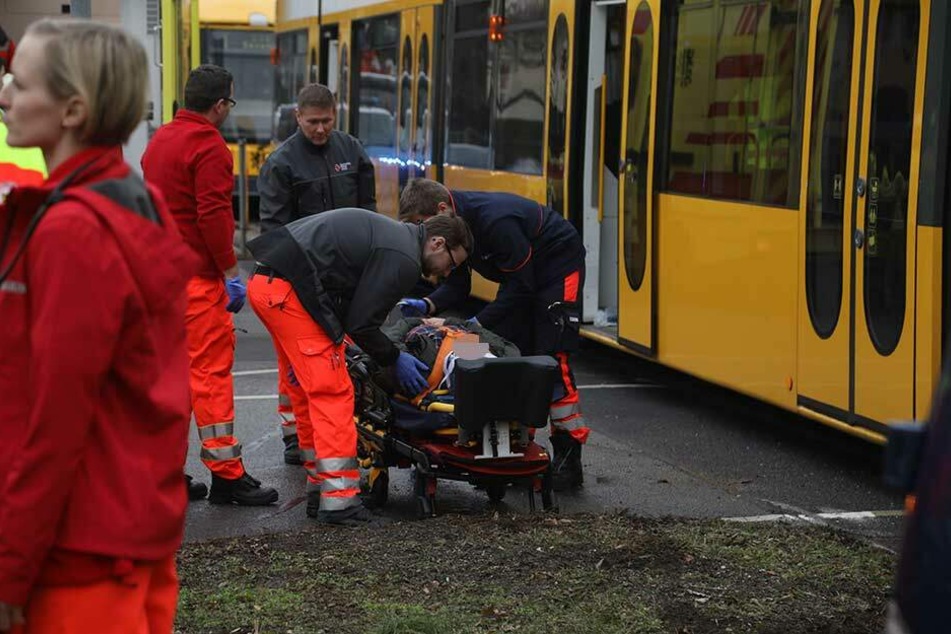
pixel 103 65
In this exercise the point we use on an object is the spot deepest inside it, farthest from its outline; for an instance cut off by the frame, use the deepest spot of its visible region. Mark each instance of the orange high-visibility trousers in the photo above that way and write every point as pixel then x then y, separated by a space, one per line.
pixel 323 404
pixel 140 602
pixel 210 337
pixel 285 406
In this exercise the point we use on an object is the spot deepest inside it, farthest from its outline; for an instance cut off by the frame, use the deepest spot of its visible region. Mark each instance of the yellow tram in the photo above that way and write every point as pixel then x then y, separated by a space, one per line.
pixel 761 185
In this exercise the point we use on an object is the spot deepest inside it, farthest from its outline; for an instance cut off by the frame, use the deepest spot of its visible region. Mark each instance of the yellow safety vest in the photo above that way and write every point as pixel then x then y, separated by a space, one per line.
pixel 19 166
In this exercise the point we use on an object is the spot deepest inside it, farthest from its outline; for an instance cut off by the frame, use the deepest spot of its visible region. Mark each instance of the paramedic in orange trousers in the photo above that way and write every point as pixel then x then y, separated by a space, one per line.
pixel 93 376
pixel 188 160
pixel 538 259
pixel 333 274
pixel 317 168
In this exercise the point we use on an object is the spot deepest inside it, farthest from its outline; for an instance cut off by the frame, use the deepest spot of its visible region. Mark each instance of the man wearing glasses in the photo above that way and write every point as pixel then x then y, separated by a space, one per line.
pixel 189 161
pixel 537 257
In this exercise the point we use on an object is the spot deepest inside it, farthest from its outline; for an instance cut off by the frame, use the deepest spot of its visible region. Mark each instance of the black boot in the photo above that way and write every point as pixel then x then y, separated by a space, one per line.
pixel 313 503
pixel 196 490
pixel 292 450
pixel 357 515
pixel 566 462
pixel 245 491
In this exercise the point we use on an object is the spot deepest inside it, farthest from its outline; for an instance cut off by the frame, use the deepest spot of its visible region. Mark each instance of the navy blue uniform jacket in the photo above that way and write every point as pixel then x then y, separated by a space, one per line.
pixel 519 243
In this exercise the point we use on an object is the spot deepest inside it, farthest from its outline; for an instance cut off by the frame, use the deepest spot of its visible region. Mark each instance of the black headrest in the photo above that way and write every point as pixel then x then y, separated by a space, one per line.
pixel 515 389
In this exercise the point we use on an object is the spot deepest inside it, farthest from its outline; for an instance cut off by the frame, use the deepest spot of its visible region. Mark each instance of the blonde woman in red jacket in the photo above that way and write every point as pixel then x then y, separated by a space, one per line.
pixel 94 369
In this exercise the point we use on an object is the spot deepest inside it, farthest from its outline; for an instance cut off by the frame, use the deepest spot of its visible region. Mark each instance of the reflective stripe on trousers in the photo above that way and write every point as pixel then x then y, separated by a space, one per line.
pixel 210 337
pixel 565 411
pixel 323 402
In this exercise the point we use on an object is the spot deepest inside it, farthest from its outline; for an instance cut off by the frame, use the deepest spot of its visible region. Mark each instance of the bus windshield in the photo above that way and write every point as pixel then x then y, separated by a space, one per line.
pixel 247 55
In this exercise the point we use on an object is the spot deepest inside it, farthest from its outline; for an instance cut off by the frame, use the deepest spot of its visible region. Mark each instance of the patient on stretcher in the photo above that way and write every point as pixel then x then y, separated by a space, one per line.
pixel 435 342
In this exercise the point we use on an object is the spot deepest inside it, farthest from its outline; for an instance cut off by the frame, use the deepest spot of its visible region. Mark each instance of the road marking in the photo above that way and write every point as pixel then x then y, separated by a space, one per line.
pixel 256 397
pixel 253 372
pixel 618 386
pixel 855 516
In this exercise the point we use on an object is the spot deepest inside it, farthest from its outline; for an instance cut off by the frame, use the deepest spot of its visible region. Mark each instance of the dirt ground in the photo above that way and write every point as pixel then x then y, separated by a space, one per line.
pixel 527 574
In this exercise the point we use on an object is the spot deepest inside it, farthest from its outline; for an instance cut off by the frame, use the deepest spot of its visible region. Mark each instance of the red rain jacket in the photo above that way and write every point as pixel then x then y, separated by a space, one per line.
pixel 189 161
pixel 94 403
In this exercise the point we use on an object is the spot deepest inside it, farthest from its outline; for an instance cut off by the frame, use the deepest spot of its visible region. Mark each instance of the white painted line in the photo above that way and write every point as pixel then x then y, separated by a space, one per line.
pixel 257 397
pixel 855 516
pixel 252 372
pixel 619 386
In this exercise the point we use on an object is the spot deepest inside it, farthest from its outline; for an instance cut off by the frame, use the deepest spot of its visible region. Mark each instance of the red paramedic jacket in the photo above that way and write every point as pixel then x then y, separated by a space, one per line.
pixel 190 163
pixel 94 403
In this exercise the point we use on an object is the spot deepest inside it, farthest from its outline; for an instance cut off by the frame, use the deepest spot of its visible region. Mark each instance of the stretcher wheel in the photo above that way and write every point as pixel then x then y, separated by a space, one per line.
pixel 496 492
pixel 379 481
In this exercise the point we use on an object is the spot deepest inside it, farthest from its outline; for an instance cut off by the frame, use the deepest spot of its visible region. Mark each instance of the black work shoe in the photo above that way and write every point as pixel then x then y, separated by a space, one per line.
pixel 196 490
pixel 566 463
pixel 357 515
pixel 245 491
pixel 292 451
pixel 313 503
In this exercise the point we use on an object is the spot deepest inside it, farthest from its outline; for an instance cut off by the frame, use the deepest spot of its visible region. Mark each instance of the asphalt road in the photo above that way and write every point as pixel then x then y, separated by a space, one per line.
pixel 662 444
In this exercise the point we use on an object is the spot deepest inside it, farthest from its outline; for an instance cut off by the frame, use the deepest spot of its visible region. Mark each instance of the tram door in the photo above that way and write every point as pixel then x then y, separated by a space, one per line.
pixel 857 308
pixel 415 124
pixel 636 246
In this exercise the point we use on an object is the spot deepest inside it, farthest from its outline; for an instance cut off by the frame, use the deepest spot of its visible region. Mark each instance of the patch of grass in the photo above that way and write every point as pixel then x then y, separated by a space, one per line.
pixel 537 574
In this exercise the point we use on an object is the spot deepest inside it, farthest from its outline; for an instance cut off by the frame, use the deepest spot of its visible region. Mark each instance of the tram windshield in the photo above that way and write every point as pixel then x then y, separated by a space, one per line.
pixel 247 55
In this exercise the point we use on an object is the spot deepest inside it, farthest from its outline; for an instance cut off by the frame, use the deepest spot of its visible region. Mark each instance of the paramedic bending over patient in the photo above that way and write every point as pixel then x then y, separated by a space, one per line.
pixel 333 274
pixel 94 368
pixel 538 259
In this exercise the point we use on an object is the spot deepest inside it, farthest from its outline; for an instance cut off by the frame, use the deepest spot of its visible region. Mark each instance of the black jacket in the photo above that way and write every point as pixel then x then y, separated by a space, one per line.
pixel 299 179
pixel 517 242
pixel 349 267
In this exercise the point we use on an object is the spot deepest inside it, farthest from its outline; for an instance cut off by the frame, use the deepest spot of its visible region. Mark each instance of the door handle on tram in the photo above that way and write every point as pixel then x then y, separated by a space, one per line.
pixel 858 238
pixel 860 187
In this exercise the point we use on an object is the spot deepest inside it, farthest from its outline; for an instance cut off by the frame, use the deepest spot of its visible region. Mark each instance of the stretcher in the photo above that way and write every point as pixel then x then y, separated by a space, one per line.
pixel 480 431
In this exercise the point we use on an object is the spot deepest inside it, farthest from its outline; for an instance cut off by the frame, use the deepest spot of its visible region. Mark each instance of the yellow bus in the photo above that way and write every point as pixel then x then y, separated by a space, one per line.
pixel 761 185
pixel 239 35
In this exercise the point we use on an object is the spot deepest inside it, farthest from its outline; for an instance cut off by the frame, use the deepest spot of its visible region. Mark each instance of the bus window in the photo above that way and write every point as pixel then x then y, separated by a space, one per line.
pixel 469 111
pixel 520 106
pixel 376 43
pixel 246 54
pixel 737 99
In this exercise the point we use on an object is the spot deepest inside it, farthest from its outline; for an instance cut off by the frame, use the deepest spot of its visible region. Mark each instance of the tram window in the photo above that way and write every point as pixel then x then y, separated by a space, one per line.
pixel 558 116
pixel 376 45
pixel 828 146
pixel 471 72
pixel 520 106
pixel 291 65
pixel 343 94
pixel 247 55
pixel 422 104
pixel 889 165
pixel 736 101
pixel 406 96
pixel 636 149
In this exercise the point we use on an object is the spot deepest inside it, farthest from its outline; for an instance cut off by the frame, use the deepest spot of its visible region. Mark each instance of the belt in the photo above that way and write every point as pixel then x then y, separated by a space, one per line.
pixel 263 269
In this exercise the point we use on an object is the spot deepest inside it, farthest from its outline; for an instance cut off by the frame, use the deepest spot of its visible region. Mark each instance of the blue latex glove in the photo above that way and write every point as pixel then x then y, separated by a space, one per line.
pixel 291 377
pixel 413 307
pixel 409 371
pixel 236 294
pixel 472 321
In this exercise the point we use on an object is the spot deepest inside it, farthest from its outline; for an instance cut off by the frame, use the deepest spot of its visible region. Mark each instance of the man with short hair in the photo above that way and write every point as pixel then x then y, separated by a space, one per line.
pixel 189 161
pixel 537 257
pixel 316 169
pixel 334 274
